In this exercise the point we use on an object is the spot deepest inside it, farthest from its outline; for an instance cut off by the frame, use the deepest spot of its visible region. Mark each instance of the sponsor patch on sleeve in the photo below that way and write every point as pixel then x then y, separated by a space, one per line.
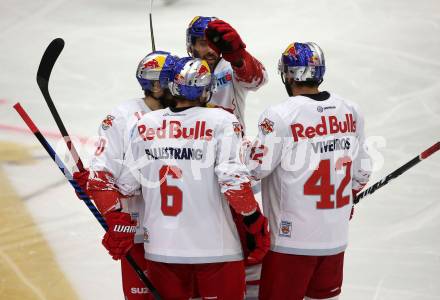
pixel 266 126
pixel 237 128
pixel 107 122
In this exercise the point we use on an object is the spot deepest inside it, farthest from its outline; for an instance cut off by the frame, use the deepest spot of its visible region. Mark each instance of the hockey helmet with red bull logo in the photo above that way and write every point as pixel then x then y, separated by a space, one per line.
pixel 156 66
pixel 196 29
pixel 302 62
pixel 191 79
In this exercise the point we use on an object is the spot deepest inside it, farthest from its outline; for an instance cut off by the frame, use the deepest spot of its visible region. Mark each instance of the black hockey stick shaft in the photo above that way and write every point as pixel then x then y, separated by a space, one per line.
pixel 47 62
pixel 396 173
pixel 83 196
pixel 153 45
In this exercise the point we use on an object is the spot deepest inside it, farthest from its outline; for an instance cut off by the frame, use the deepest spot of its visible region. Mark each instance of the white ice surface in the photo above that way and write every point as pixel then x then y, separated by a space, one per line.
pixel 381 54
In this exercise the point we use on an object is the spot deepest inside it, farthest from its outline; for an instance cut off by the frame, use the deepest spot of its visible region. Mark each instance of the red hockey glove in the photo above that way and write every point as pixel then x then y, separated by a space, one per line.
pixel 246 239
pixel 101 187
pixel 81 178
pixel 119 238
pixel 257 226
pixel 224 39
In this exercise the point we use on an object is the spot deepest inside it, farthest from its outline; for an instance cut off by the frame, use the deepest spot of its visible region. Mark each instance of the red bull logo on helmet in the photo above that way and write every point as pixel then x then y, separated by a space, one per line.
pixel 154 63
pixel 151 64
pixel 291 51
pixel 314 60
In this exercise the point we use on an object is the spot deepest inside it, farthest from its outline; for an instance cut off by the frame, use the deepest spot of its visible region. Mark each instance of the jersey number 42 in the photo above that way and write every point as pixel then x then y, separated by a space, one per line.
pixel 319 183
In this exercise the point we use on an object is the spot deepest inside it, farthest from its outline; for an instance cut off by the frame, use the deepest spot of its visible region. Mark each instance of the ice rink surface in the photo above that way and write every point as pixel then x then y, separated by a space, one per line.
pixel 381 54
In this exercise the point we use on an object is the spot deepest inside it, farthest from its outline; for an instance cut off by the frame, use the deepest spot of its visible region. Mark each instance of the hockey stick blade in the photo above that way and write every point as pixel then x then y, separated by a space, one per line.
pixel 48 60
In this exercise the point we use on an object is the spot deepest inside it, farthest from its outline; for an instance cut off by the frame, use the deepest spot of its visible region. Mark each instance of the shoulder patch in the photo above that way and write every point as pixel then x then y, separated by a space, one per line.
pixel 107 122
pixel 237 128
pixel 266 126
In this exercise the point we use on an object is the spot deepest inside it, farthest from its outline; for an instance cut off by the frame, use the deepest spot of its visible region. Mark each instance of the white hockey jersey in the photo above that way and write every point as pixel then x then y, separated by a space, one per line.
pixel 184 160
pixel 114 136
pixel 311 155
pixel 231 90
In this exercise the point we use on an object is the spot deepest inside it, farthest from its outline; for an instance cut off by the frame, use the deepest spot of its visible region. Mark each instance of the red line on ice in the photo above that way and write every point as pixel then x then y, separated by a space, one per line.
pixel 47 134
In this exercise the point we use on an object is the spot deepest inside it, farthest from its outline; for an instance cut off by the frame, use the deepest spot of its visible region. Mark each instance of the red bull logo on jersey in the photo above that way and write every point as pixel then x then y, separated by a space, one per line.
pixel 328 125
pixel 266 126
pixel 237 128
pixel 107 122
pixel 173 129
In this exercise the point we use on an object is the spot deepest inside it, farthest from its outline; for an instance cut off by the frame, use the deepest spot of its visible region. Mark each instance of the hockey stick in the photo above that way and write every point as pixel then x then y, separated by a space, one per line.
pixel 396 173
pixel 47 62
pixel 153 45
pixel 83 196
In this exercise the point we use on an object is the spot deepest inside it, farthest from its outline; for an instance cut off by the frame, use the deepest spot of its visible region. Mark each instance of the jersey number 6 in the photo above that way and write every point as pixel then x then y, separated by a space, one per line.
pixel 170 191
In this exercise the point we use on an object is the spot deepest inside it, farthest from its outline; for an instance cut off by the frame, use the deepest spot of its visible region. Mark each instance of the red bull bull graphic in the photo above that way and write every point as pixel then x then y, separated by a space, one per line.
pixel 151 64
pixel 266 126
pixel 107 122
pixel 291 51
pixel 237 128
pixel 154 63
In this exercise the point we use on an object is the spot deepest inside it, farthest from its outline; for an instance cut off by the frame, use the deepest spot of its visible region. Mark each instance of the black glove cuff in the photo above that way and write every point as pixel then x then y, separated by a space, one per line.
pixel 248 220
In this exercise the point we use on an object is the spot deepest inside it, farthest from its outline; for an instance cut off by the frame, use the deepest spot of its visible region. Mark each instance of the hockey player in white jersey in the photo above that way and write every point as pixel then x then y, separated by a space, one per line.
pixel 237 72
pixel 310 154
pixel 106 164
pixel 184 159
